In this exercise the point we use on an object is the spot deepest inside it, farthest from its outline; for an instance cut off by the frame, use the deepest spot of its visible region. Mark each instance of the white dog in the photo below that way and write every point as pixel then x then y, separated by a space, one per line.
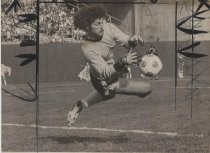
pixel 5 70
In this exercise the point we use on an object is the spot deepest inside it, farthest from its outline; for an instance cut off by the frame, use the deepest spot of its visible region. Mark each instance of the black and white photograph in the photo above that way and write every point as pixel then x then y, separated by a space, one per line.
pixel 126 76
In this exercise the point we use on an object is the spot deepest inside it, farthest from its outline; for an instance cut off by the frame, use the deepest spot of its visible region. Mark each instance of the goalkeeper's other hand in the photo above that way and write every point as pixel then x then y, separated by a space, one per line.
pixel 132 58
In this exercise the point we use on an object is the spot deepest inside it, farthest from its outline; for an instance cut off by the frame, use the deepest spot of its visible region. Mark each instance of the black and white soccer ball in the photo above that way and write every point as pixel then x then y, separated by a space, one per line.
pixel 151 65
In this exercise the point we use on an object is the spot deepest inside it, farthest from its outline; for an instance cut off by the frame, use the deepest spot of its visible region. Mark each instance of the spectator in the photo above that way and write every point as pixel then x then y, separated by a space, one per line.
pixel 53 17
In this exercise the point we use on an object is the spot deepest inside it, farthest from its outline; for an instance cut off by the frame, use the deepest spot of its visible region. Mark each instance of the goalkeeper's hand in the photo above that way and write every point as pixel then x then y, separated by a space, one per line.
pixel 132 58
pixel 129 59
pixel 136 40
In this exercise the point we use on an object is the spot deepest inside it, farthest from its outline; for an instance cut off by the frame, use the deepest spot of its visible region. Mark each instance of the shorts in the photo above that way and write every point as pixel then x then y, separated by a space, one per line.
pixel 104 88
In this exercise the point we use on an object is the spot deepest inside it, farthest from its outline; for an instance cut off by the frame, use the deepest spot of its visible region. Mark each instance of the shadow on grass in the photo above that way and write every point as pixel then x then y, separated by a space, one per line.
pixel 72 139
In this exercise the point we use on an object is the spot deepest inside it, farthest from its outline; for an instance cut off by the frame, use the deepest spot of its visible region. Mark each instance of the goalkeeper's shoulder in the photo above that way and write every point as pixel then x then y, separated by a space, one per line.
pixel 110 26
pixel 90 52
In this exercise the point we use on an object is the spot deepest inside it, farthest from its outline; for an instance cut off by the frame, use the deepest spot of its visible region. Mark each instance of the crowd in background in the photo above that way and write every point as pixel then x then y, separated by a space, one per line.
pixel 55 23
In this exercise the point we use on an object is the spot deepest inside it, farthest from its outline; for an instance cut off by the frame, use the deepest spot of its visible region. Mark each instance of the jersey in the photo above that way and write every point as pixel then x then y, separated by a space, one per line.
pixel 99 56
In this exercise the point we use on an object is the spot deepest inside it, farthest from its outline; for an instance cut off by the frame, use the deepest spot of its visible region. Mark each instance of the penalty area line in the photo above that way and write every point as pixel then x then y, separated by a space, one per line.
pixel 171 134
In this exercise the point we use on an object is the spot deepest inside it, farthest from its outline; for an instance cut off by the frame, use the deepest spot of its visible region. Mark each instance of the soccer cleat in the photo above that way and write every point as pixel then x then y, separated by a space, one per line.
pixel 73 114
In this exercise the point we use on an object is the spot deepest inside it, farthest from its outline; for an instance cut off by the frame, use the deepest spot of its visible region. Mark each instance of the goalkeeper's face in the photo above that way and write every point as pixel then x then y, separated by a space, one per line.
pixel 97 28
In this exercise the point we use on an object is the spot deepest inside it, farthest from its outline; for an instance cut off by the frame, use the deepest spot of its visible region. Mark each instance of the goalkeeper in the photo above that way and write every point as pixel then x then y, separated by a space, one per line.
pixel 97 47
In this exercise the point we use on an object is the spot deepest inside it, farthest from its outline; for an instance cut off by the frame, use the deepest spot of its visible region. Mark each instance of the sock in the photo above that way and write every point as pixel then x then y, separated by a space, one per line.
pixel 85 104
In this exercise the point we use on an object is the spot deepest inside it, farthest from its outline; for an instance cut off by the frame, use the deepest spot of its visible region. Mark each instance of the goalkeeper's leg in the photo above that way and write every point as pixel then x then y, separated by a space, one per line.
pixel 130 87
pixel 123 86
pixel 93 98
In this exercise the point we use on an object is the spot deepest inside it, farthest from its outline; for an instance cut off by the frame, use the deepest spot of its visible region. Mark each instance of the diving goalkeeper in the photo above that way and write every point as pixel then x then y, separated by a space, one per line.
pixel 99 40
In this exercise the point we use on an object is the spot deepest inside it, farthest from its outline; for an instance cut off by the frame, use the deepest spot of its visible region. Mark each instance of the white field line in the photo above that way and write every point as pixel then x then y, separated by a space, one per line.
pixel 84 152
pixel 191 88
pixel 171 134
pixel 56 91
pixel 80 84
pixel 69 91
pixel 41 92
pixel 62 85
pixel 179 80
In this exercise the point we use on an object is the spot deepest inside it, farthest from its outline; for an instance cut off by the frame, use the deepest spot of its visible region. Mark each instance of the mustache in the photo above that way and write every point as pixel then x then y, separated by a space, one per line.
pixel 101 30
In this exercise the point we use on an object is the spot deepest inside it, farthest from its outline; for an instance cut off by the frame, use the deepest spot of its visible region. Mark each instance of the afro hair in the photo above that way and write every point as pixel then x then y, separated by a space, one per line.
pixel 88 15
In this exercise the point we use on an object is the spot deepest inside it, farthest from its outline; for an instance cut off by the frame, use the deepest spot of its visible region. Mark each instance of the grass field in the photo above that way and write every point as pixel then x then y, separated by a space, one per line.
pixel 123 124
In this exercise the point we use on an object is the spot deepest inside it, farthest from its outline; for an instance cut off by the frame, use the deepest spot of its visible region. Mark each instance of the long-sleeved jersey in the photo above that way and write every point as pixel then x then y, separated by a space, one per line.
pixel 99 55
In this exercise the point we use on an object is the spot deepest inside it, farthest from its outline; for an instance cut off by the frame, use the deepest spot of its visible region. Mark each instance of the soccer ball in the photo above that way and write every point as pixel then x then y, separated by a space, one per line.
pixel 151 65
